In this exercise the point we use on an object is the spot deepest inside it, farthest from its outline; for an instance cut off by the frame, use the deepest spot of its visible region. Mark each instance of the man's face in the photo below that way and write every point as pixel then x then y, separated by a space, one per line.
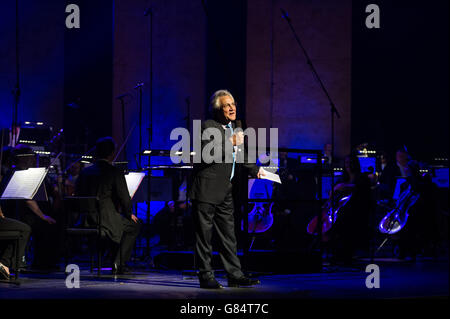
pixel 402 158
pixel 228 108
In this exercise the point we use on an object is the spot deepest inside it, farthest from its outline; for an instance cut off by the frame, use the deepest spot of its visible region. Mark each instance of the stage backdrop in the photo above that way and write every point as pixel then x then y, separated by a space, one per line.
pixel 188 61
pixel 282 91
pixel 179 54
pixel 41 61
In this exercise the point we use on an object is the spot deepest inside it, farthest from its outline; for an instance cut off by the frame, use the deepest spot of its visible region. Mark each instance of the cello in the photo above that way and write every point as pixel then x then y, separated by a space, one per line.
pixel 260 218
pixel 333 207
pixel 396 219
pixel 329 216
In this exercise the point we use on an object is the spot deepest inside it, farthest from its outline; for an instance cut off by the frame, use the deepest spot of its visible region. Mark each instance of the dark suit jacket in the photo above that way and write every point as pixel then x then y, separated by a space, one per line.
pixel 388 178
pixel 108 184
pixel 211 181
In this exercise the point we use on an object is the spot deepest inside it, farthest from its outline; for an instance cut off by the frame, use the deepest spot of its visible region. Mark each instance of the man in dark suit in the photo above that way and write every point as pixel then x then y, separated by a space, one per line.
pixel 211 193
pixel 108 183
pixel 392 171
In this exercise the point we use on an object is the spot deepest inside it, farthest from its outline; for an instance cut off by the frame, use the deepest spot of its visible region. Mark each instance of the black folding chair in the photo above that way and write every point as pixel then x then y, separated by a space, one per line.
pixel 83 219
pixel 14 236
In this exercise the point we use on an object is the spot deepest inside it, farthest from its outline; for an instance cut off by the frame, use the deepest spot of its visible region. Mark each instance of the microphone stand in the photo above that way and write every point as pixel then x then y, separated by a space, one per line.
pixel 139 87
pixel 16 90
pixel 149 12
pixel 122 104
pixel 139 161
pixel 333 112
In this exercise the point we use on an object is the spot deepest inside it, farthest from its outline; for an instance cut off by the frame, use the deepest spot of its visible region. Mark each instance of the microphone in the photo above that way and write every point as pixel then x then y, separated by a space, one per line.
pixel 285 15
pixel 239 125
pixel 140 84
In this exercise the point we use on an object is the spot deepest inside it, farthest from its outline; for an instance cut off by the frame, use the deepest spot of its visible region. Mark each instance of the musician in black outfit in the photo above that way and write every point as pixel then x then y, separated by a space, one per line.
pixel 211 193
pixel 6 249
pixel 391 171
pixel 420 233
pixel 36 214
pixel 351 230
pixel 108 183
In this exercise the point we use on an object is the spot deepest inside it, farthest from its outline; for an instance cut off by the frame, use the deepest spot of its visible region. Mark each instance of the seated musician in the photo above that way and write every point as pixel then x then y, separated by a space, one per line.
pixel 31 213
pixel 350 230
pixel 391 171
pixel 6 249
pixel 72 176
pixel 420 233
pixel 107 182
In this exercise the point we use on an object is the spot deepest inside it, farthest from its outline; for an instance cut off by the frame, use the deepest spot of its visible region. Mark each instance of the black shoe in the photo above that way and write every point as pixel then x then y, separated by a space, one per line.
pixel 3 274
pixel 242 282
pixel 120 270
pixel 210 283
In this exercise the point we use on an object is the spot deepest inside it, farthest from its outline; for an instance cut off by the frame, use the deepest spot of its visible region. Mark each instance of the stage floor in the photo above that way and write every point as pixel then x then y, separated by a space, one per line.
pixel 419 279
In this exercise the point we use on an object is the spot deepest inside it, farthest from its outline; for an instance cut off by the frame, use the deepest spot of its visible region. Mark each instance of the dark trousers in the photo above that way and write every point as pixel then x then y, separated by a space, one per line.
pixel 44 242
pixel 130 233
pixel 8 224
pixel 206 216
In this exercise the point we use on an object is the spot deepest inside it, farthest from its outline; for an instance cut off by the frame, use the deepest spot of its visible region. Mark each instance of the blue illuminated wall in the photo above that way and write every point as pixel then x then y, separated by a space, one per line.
pixel 282 91
pixel 41 61
pixel 179 55
pixel 111 54
pixel 88 75
pixel 193 56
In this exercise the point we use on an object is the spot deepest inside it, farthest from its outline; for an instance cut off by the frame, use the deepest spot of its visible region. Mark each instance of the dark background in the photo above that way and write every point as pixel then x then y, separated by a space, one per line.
pixel 399 73
pixel 400 77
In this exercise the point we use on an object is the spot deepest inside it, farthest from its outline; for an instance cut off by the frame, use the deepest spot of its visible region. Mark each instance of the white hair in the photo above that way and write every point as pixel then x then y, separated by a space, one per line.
pixel 214 104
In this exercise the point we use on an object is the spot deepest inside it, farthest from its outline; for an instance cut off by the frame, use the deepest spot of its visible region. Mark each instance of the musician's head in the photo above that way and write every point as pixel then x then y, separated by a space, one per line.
pixel 402 157
pixel 75 168
pixel 223 106
pixel 24 157
pixel 105 148
pixel 351 165
pixel 384 157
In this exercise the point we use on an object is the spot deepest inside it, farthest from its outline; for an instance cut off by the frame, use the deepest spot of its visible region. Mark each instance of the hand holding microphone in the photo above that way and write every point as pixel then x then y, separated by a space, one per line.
pixel 237 138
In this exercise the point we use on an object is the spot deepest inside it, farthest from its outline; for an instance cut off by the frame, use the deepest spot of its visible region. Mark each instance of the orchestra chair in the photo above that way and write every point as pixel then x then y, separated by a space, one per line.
pixel 76 212
pixel 14 236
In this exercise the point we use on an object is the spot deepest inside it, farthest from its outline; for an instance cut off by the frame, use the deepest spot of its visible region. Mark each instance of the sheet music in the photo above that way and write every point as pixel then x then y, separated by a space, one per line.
pixel 24 184
pixel 133 180
pixel 271 176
